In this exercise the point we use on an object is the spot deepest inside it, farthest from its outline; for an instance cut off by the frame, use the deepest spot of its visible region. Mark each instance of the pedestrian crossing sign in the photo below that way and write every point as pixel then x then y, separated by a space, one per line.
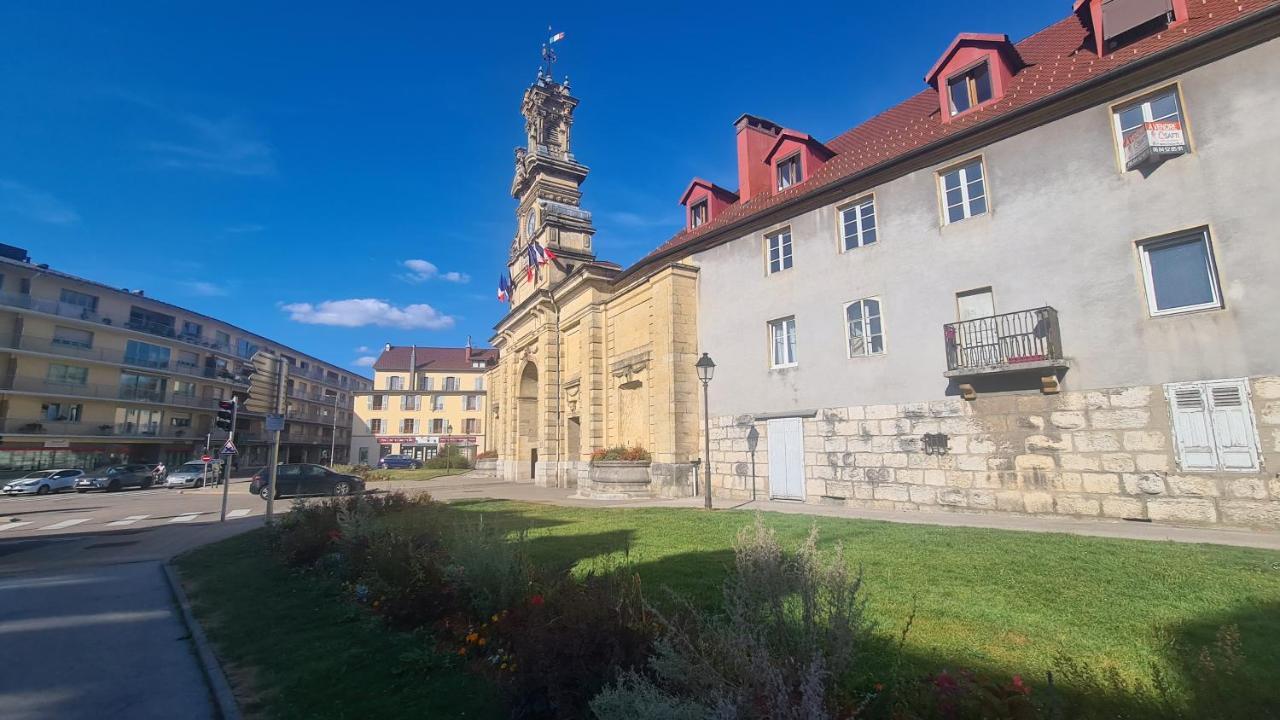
pixel 229 448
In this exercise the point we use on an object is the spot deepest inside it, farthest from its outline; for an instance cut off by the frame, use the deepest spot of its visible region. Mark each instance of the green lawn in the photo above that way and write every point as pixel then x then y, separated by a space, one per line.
pixel 987 600
pixel 424 473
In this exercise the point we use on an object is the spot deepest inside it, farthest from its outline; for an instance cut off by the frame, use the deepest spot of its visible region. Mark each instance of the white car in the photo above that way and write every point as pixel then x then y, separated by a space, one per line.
pixel 192 474
pixel 43 482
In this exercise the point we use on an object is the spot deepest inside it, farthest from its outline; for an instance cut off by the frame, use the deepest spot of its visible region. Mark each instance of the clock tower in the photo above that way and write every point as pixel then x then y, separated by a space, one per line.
pixel 547 186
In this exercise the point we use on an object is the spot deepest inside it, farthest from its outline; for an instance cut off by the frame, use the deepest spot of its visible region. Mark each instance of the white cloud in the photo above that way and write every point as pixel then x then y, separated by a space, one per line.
pixel 366 361
pixel 421 271
pixel 228 145
pixel 205 289
pixel 362 349
pixel 35 204
pixel 359 312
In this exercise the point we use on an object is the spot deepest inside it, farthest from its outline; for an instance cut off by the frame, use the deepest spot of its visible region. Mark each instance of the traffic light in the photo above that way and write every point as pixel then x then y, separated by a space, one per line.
pixel 226 410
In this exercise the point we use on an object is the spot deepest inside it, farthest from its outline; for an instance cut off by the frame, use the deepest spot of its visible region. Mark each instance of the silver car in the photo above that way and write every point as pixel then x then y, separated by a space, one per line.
pixel 192 474
pixel 43 482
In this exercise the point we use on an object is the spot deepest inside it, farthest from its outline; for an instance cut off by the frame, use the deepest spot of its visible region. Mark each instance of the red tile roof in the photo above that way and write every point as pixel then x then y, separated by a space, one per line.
pixel 396 358
pixel 1056 58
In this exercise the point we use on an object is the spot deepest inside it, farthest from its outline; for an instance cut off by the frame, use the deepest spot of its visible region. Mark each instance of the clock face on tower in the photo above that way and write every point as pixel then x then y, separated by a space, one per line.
pixel 530 223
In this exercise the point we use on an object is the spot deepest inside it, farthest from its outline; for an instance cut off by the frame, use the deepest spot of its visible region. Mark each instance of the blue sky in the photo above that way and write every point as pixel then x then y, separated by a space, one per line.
pixel 256 160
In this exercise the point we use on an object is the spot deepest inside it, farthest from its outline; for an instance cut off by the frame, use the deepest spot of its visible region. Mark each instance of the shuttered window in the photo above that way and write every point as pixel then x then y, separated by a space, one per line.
pixel 1213 426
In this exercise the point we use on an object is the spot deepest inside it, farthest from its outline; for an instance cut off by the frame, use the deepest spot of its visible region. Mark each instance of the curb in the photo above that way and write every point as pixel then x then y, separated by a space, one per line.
pixel 209 665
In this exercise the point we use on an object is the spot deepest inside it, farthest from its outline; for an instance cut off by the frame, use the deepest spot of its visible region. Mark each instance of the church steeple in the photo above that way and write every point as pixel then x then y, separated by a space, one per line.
pixel 548 180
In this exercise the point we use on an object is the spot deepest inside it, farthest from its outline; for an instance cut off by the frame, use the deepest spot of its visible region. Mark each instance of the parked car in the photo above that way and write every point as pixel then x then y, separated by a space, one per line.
pixel 43 482
pixel 192 474
pixel 297 479
pixel 116 477
pixel 399 462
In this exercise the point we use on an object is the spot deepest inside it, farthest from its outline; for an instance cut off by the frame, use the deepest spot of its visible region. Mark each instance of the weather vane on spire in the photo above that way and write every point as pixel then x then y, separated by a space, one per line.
pixel 549 53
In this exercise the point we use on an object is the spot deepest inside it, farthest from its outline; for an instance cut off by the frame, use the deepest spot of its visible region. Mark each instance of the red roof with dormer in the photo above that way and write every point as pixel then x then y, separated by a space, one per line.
pixel 1055 60
pixel 397 358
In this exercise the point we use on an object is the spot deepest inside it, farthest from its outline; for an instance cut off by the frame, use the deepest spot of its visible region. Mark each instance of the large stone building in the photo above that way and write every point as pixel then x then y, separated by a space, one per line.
pixel 587 362
pixel 92 374
pixel 422 399
pixel 1044 284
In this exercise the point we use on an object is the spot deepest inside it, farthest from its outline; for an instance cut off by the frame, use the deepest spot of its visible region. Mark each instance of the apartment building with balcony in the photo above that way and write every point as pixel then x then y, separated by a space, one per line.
pixel 1045 284
pixel 422 399
pixel 91 374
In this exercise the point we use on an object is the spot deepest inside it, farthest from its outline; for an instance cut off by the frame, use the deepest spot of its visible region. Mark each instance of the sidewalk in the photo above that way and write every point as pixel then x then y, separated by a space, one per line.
pixel 472 486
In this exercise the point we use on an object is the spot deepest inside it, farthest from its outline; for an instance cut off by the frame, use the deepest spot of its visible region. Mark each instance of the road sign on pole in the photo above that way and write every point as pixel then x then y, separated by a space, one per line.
pixel 206 458
pixel 229 448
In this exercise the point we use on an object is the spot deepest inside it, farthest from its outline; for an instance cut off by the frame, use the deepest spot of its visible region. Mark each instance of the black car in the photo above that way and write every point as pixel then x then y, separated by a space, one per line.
pixel 296 479
pixel 117 477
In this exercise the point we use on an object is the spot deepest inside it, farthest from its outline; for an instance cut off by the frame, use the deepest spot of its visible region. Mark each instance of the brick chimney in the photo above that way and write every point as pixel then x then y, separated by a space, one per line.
pixel 755 137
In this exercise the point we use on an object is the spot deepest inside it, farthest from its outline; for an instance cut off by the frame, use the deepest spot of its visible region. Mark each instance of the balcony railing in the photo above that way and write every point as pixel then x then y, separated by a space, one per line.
pixel 106 392
pixel 64 347
pixel 1023 340
pixel 42 426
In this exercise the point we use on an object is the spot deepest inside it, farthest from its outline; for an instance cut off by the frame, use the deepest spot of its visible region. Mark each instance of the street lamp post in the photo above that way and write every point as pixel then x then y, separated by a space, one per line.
pixel 448 459
pixel 706 370
pixel 333 430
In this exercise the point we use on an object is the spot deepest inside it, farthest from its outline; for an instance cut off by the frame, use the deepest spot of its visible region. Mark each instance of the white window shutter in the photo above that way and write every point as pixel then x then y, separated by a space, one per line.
pixel 1233 430
pixel 1192 430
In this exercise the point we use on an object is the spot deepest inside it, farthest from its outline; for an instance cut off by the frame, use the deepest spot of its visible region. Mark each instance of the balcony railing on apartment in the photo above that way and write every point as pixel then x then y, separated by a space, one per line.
pixel 1015 341
pixel 65 347
pixel 44 426
pixel 107 392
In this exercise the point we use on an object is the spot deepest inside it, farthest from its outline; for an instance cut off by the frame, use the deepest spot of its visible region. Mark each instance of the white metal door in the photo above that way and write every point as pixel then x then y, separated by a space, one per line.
pixel 786 458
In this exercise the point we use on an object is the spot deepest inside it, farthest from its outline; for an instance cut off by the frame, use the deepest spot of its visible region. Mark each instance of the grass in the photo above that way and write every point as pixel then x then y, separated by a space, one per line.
pixel 988 600
pixel 294 650
pixel 424 473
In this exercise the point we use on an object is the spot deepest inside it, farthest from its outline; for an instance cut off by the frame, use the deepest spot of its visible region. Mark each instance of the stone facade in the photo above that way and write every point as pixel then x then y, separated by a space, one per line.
pixel 1102 454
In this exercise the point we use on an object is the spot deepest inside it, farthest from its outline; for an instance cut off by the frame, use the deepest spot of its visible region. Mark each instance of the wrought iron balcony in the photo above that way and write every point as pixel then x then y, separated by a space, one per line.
pixel 1025 341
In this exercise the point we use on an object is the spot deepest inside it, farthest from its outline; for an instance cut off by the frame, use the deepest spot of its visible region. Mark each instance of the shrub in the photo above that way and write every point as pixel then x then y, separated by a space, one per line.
pixel 492 569
pixel 632 454
pixel 449 457
pixel 562 647
pixel 403 577
pixel 793 625
pixel 487 455
pixel 364 472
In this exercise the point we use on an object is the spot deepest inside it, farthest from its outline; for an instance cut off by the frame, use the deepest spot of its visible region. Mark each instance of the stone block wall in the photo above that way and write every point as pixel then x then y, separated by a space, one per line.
pixel 1106 454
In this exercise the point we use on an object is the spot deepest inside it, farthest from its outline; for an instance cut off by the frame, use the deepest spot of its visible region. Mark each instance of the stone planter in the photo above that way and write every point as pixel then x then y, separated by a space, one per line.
pixel 618 479
pixel 487 467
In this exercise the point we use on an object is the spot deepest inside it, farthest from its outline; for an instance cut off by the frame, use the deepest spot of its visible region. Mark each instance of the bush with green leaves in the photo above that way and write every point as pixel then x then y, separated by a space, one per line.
pixel 448 457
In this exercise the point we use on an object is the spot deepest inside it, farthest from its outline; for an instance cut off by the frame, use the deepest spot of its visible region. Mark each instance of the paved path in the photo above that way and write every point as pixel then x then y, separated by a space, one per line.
pixel 474 486
pixel 88 626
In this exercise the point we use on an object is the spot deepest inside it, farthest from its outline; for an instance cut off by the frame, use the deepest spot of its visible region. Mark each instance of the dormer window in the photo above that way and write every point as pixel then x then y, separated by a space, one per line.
pixel 789 172
pixel 698 213
pixel 970 88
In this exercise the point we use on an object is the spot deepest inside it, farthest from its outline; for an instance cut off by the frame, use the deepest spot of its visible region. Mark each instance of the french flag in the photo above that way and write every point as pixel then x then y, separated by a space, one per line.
pixel 543 254
pixel 504 290
pixel 533 257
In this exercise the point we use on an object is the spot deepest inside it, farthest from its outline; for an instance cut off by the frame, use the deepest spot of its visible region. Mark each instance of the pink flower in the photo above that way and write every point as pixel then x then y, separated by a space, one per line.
pixel 536 600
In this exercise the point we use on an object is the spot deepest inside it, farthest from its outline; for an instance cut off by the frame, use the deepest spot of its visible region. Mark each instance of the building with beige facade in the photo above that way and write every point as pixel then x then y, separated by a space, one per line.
pixel 423 399
pixel 589 360
pixel 92 374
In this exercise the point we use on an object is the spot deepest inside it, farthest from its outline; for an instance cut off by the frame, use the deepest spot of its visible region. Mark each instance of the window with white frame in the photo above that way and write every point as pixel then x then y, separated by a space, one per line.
pixel 471 402
pixel 437 402
pixel 395 382
pixel 778 246
pixel 964 192
pixel 782 342
pixel 864 327
pixel 1161 106
pixel 471 426
pixel 406 425
pixel 451 384
pixel 59 374
pixel 410 402
pixel 1180 275
pixel 858 224
pixel 480 383
pixel 1213 425
pixel 375 425
pixel 428 383
pixel 437 427
pixel 789 172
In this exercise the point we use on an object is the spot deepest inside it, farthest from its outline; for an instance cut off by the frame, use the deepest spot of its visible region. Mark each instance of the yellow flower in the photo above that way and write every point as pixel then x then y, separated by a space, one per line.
pixel 480 642
pixel 472 637
pixel 494 618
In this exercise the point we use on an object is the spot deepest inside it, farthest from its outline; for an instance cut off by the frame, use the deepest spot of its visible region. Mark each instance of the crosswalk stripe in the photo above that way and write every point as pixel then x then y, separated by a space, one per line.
pixel 239 513
pixel 66 524
pixel 128 520
pixel 12 526
pixel 186 517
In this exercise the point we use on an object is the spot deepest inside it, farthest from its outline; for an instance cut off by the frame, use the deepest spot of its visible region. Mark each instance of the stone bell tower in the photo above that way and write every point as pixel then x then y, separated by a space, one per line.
pixel 547 184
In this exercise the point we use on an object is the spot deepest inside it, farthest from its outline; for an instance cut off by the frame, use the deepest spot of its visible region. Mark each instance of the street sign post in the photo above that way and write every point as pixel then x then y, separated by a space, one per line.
pixel 228 450
pixel 206 459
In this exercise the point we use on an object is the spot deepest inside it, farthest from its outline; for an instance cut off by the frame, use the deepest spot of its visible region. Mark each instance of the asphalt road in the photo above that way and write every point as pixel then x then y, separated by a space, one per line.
pixel 88 625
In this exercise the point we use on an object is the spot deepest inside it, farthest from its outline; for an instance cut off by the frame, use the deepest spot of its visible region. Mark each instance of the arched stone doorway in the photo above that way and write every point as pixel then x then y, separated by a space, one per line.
pixel 528 423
